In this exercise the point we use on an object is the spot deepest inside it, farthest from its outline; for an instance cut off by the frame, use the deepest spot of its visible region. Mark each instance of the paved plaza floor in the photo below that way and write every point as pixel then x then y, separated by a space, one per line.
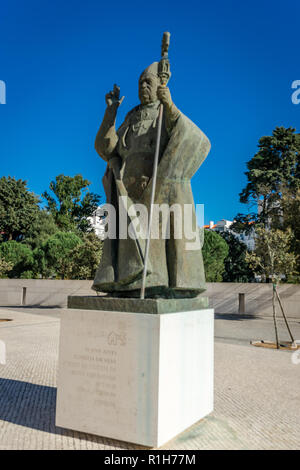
pixel 257 391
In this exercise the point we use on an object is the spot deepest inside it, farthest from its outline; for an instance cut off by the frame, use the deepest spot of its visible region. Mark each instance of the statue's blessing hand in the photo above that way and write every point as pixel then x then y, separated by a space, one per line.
pixel 113 97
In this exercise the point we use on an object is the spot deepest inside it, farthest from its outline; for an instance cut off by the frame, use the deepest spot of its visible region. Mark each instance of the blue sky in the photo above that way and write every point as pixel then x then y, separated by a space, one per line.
pixel 232 63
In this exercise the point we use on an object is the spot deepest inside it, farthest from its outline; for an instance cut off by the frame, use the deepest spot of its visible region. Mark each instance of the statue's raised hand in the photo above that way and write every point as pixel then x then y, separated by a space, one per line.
pixel 113 97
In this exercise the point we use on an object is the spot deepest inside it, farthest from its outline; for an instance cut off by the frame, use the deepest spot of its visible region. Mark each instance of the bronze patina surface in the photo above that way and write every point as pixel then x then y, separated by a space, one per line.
pixel 154 306
pixel 173 270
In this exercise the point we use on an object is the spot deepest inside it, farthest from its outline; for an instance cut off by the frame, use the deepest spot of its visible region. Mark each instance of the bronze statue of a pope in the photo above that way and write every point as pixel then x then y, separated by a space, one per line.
pixel 173 269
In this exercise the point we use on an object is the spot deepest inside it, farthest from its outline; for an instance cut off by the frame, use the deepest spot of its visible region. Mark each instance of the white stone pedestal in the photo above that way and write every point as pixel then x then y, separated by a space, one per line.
pixel 141 378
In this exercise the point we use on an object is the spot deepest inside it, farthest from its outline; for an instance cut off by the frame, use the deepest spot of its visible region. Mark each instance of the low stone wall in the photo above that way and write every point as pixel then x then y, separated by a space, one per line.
pixel 41 292
pixel 223 297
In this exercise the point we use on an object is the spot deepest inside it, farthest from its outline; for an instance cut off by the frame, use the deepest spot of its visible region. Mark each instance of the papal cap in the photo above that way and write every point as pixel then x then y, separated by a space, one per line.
pixel 152 69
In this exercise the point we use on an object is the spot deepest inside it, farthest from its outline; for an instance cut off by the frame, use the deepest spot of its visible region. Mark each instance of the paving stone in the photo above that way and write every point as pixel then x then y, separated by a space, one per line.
pixel 257 399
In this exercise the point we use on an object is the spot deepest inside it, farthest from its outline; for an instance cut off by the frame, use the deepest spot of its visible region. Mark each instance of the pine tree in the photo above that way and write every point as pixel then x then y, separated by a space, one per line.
pixel 18 208
pixel 71 202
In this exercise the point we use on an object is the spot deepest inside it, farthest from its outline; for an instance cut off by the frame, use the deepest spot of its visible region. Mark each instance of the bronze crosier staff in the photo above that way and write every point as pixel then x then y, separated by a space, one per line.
pixel 164 75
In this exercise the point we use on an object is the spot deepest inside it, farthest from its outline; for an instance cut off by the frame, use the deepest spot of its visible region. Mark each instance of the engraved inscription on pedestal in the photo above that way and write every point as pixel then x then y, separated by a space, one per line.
pixel 98 364
pixel 102 374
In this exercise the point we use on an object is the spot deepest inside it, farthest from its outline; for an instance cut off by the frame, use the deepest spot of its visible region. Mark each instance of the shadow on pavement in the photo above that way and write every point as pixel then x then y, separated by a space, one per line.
pixel 34 406
pixel 235 316
pixel 49 307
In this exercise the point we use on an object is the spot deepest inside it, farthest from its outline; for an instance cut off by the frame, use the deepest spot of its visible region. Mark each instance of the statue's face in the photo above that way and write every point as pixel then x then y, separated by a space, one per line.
pixel 148 84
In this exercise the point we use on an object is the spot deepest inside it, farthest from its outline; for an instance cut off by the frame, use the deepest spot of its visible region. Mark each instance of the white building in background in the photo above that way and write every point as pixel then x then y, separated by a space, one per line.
pixel 97 221
pixel 224 226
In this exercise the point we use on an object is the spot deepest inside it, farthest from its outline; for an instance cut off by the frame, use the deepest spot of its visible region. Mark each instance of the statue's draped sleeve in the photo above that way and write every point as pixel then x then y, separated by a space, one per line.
pixel 107 138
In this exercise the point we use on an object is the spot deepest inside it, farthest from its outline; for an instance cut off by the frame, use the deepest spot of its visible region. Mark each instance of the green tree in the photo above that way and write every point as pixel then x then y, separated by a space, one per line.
pixel 236 267
pixel 18 208
pixel 289 219
pixel 53 258
pixel 275 165
pixel 85 258
pixel 272 258
pixel 5 267
pixel 19 256
pixel 41 267
pixel 40 230
pixel 215 250
pixel 71 202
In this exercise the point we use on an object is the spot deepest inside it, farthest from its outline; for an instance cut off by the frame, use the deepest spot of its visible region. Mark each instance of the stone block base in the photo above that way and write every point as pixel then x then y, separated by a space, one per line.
pixel 141 378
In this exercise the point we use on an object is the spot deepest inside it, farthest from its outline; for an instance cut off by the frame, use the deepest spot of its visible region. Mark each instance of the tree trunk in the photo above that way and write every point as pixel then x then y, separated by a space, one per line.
pixel 285 319
pixel 274 315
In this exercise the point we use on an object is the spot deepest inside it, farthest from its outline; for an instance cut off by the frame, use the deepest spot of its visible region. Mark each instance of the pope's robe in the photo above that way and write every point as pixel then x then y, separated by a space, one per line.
pixel 173 269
